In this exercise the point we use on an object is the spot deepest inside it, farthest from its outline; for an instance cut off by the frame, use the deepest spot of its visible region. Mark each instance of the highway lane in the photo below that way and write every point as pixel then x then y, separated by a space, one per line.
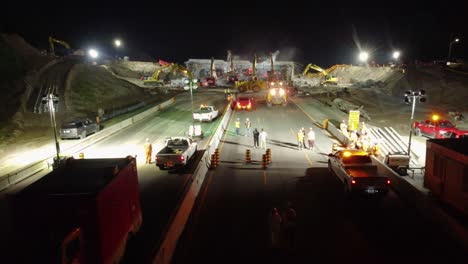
pixel 229 222
pixel 160 191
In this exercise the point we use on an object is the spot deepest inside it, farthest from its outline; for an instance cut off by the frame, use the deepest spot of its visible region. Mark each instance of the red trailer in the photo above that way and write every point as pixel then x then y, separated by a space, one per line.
pixel 446 173
pixel 82 212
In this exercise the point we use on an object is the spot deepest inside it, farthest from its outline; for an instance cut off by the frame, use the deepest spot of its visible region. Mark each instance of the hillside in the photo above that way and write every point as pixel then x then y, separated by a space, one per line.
pixel 83 90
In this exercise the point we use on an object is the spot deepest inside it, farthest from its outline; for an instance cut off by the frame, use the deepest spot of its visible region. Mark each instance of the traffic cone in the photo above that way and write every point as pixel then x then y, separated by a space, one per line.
pixel 264 161
pixel 247 156
pixel 217 156
pixel 268 154
pixel 213 161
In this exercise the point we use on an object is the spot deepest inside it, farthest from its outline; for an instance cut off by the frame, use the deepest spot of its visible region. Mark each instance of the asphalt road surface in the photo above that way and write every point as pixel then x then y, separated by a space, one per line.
pixel 229 223
pixel 160 191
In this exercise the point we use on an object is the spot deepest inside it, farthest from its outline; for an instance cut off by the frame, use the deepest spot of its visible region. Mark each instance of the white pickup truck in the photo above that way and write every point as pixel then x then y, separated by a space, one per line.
pixel 354 168
pixel 177 152
pixel 205 113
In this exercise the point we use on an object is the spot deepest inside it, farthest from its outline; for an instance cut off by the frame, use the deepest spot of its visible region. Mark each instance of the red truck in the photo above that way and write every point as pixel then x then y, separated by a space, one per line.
pixel 82 212
pixel 446 171
pixel 436 128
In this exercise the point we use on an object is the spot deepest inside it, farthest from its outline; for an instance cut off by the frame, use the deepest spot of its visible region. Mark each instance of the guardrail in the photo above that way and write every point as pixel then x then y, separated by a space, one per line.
pixel 29 170
pixel 176 227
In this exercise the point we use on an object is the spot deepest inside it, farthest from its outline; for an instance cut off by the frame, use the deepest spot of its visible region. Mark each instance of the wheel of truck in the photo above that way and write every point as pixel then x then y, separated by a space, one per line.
pixel 256 88
pixel 83 135
pixel 417 132
pixel 402 171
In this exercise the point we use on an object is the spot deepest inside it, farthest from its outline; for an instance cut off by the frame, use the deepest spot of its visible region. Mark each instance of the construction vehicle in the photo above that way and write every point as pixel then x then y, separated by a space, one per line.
pixel 210 81
pixel 84 211
pixel 325 77
pixel 61 42
pixel 254 83
pixel 277 93
pixel 232 76
pixel 169 69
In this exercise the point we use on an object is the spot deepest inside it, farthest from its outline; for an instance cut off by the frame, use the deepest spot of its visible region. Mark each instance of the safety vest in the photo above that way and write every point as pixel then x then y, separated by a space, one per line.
pixel 237 124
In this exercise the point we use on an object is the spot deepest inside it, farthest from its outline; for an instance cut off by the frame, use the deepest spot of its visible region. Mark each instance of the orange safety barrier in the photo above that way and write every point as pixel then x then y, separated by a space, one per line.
pixel 264 161
pixel 268 154
pixel 247 156
pixel 213 161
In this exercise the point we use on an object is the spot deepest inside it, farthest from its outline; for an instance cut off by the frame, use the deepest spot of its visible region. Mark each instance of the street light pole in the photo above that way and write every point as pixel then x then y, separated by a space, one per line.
pixel 411 127
pixel 450 47
pixel 54 125
pixel 411 96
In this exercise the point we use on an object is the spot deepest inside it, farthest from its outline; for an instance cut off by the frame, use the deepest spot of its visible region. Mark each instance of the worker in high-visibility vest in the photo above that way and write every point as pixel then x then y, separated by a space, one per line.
pixel 148 151
pixel 376 150
pixel 237 124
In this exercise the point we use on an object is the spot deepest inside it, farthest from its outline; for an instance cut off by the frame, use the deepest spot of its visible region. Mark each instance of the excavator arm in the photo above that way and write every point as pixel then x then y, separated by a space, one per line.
pixel 61 42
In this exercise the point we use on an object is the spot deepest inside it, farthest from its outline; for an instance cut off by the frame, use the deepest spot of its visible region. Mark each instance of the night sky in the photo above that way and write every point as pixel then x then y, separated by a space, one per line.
pixel 306 32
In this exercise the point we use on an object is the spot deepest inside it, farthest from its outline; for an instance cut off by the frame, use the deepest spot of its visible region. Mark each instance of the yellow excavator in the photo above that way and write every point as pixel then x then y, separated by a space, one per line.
pixel 61 42
pixel 170 69
pixel 253 84
pixel 326 77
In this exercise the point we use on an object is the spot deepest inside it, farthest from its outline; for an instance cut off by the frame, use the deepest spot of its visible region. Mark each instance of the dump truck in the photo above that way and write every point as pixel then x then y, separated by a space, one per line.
pixel 84 211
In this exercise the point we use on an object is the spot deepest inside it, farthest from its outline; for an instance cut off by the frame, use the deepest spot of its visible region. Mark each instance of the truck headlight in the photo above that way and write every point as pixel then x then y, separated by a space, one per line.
pixel 272 83
pixel 281 92
pixel 273 92
pixel 281 83
pixel 442 132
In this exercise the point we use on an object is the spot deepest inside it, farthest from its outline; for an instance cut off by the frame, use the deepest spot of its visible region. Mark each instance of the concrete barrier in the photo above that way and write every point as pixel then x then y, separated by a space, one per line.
pixel 337 134
pixel 29 170
pixel 177 225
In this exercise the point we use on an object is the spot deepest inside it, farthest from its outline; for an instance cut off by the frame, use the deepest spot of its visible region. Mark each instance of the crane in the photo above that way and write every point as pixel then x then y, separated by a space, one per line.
pixel 61 42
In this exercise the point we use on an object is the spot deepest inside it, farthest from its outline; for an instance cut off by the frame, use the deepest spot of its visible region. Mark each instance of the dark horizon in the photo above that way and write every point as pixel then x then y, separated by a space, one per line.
pixel 319 35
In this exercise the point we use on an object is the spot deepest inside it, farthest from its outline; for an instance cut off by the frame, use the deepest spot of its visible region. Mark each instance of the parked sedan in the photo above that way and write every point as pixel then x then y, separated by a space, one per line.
pixel 78 128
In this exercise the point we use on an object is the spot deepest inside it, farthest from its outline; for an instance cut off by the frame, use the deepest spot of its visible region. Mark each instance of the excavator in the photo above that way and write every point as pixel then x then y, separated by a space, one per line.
pixel 326 77
pixel 61 42
pixel 210 81
pixel 253 84
pixel 232 76
pixel 170 69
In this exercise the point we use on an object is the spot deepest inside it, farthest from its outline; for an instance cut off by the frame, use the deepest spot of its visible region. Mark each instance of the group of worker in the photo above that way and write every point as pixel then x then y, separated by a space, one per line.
pixel 301 139
pixel 258 136
pixel 360 140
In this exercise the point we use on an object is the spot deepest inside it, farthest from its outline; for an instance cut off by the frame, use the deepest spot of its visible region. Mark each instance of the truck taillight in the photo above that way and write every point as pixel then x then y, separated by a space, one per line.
pixel 182 158
pixel 353 181
pixel 388 182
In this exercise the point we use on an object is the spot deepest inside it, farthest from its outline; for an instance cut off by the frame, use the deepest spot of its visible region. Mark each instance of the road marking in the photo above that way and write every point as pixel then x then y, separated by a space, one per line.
pixel 264 178
pixel 305 112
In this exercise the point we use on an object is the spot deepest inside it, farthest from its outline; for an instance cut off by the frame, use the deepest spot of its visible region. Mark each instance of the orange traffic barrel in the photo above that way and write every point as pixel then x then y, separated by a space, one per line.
pixel 264 161
pixel 213 161
pixel 268 154
pixel 247 156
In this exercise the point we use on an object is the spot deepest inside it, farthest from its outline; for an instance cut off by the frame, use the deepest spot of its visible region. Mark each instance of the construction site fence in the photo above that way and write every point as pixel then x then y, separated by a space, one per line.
pixel 168 244
pixel 44 165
